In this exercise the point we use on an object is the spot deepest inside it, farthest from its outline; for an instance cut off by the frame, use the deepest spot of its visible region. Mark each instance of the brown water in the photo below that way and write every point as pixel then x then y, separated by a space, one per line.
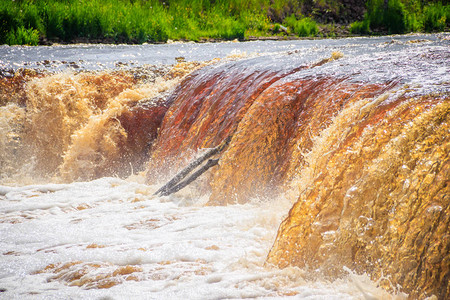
pixel 356 134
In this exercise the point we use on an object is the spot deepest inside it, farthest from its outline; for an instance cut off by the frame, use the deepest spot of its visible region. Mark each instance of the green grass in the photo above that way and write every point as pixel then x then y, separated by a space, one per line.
pixel 360 27
pixel 303 27
pixel 402 16
pixel 139 21
pixel 436 17
pixel 22 36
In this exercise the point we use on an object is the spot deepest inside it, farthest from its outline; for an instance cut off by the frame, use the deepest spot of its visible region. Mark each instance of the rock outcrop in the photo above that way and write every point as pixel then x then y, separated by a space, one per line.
pixel 375 197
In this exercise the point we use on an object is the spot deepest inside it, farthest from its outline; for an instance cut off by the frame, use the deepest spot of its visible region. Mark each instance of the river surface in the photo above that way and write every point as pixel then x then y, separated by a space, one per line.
pixel 97 57
pixel 70 228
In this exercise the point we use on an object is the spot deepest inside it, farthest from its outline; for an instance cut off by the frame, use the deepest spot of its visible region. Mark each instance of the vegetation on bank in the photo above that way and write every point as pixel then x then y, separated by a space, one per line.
pixel 136 21
pixel 401 16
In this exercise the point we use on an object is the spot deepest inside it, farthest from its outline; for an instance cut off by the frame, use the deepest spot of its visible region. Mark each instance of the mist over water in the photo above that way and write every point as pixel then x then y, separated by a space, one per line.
pixel 334 184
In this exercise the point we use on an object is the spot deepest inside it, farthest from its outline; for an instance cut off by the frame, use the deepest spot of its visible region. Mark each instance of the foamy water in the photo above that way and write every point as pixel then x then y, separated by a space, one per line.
pixel 178 248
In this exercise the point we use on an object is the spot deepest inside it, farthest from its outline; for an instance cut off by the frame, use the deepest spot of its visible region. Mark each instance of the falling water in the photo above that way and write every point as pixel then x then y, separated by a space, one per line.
pixel 345 144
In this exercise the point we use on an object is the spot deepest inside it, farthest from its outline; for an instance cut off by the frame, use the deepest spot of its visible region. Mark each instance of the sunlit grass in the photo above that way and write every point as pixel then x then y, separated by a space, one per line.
pixel 136 21
pixel 302 27
pixel 436 17
pixel 401 16
pixel 22 36
pixel 139 21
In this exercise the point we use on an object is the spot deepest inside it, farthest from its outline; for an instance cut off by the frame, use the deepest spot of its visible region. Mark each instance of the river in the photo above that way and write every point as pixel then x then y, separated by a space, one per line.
pixel 338 160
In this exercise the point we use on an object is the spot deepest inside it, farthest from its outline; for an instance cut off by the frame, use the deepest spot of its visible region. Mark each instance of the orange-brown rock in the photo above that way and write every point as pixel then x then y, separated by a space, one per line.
pixel 370 162
pixel 265 152
pixel 205 109
pixel 375 195
pixel 272 114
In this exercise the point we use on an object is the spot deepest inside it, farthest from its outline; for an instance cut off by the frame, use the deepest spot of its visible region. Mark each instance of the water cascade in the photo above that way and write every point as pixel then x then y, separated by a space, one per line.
pixel 369 159
pixel 359 141
pixel 85 125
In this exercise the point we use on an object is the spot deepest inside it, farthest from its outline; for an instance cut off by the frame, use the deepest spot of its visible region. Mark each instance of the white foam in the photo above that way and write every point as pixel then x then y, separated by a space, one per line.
pixel 184 251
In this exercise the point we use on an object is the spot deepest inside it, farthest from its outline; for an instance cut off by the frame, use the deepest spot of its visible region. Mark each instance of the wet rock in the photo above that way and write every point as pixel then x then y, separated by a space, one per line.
pixel 377 199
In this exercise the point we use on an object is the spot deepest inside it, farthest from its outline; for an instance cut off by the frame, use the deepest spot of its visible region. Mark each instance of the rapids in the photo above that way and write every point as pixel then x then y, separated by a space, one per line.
pixel 335 183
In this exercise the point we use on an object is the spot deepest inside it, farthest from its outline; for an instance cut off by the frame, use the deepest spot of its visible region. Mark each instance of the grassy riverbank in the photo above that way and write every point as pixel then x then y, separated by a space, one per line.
pixel 35 22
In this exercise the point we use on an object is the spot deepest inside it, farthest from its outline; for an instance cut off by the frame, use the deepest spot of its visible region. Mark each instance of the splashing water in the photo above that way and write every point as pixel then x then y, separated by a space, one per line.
pixel 344 143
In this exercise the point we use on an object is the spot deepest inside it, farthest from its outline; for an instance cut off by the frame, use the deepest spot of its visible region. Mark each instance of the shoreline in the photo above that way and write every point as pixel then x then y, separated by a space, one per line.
pixel 86 41
pixel 43 22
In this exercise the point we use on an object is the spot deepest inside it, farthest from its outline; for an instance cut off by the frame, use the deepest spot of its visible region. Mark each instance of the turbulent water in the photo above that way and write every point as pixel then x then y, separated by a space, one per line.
pixel 335 183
